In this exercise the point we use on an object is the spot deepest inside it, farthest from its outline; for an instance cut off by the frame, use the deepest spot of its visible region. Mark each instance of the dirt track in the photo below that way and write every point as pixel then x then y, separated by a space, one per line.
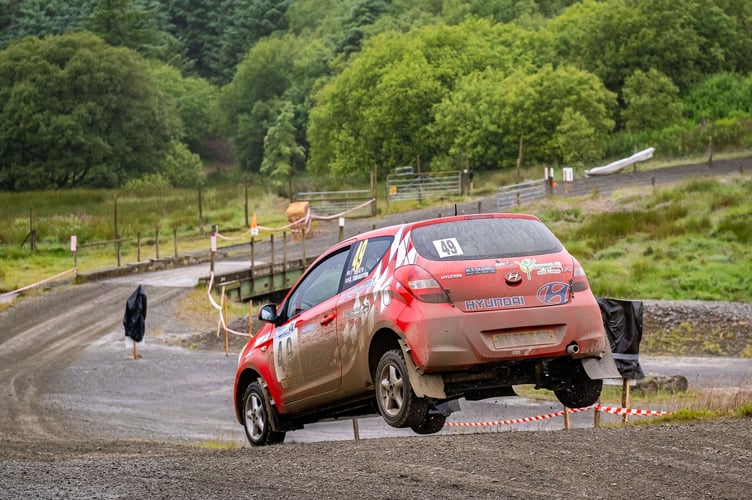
pixel 66 360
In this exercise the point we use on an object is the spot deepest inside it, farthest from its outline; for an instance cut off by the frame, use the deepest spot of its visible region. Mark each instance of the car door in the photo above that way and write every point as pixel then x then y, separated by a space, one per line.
pixel 307 362
pixel 356 308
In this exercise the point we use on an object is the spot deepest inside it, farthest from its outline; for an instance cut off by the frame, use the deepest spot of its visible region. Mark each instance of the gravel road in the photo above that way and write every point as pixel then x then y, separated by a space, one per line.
pixel 81 419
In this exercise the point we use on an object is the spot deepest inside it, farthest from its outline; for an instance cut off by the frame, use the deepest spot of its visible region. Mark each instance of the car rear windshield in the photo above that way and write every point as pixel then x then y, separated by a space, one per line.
pixel 484 239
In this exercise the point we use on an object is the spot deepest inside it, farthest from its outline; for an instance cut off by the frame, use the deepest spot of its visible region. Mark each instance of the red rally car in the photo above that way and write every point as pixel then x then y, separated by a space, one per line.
pixel 406 320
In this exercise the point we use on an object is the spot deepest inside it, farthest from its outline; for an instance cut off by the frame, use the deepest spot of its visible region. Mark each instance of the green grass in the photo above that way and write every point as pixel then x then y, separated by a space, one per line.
pixel 684 406
pixel 689 241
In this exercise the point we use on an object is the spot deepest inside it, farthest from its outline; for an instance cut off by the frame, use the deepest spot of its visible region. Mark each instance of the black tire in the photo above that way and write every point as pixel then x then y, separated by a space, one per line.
pixel 397 402
pixel 432 424
pixel 579 390
pixel 257 421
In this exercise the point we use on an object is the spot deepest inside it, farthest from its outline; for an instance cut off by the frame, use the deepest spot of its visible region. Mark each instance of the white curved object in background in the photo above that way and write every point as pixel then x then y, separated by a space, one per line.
pixel 614 167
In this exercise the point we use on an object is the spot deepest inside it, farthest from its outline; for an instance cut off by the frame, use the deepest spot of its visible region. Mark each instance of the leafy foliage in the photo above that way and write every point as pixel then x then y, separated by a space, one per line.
pixel 78 112
pixel 386 83
pixel 651 101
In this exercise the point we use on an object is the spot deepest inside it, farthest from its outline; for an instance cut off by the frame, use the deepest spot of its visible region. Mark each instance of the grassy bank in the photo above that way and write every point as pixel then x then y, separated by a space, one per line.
pixel 688 241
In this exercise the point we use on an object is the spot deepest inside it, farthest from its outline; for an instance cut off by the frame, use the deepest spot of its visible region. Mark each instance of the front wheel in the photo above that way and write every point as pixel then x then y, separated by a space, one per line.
pixel 397 402
pixel 257 422
pixel 579 390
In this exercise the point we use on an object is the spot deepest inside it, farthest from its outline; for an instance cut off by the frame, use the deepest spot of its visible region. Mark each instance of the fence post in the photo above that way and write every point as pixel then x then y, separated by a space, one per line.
pixel 32 231
pixel 597 415
pixel 272 259
pixel 625 398
pixel 374 210
pixel 213 254
pixel 253 255
pixel 200 212
pixel 156 243
pixel 284 257
pixel 73 241
pixel 138 247
pixel 175 240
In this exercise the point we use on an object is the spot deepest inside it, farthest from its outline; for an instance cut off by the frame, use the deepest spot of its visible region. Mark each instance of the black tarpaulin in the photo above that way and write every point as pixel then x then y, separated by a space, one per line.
pixel 622 320
pixel 134 319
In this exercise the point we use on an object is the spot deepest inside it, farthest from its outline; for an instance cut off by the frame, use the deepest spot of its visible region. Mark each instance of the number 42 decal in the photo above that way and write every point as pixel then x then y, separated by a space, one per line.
pixel 448 247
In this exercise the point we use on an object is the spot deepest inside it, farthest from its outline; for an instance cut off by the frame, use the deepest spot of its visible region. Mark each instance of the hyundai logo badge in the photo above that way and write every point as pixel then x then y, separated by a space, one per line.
pixel 513 278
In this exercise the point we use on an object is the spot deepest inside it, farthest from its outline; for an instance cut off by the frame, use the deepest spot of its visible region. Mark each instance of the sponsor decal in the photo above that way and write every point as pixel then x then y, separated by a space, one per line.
pixel 480 270
pixel 451 276
pixel 528 266
pixel 358 310
pixel 308 329
pixel 501 263
pixel 494 303
pixel 553 293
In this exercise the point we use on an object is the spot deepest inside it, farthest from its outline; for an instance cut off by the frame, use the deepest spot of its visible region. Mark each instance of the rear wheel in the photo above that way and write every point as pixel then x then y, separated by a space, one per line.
pixel 579 390
pixel 432 424
pixel 258 427
pixel 397 402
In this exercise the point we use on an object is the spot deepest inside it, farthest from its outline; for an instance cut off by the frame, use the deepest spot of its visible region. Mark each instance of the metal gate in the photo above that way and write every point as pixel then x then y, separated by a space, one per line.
pixel 405 184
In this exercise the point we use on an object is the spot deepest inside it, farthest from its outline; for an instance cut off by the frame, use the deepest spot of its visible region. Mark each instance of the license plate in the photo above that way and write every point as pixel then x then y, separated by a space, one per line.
pixel 523 338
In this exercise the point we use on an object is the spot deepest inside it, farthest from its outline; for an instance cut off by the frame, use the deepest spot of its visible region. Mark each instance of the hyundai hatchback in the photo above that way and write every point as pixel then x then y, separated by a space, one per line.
pixel 406 320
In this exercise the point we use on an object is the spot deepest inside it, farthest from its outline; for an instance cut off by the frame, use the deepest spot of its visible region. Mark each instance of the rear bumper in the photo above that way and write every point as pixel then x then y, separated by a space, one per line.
pixel 443 338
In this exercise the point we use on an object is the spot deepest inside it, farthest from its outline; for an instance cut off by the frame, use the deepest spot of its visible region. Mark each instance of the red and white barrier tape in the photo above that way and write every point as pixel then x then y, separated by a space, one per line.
pixel 303 220
pixel 330 217
pixel 631 411
pixel 596 407
pixel 41 282
pixel 524 420
pixel 218 307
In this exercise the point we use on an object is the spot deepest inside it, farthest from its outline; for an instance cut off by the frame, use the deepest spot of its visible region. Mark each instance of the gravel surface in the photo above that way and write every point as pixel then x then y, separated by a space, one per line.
pixel 78 421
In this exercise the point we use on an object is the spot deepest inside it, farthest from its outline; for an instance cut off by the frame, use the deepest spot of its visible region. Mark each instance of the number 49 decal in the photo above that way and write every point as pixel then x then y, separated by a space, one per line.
pixel 448 247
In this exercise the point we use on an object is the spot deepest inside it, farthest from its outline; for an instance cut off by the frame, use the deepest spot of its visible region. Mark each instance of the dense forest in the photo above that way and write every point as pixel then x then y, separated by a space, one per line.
pixel 107 93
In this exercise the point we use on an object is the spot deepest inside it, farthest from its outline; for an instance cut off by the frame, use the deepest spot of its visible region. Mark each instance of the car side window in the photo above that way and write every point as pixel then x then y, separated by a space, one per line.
pixel 321 283
pixel 363 258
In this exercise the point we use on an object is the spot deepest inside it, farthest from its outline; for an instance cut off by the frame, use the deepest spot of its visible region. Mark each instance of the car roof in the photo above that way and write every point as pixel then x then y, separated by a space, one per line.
pixel 392 230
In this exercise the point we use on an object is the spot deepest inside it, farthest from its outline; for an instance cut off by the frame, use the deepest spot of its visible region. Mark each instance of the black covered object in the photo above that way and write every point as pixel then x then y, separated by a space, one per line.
pixel 134 320
pixel 622 320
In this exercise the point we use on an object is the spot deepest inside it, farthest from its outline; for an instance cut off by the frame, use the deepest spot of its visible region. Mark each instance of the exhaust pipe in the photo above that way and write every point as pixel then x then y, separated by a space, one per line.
pixel 573 348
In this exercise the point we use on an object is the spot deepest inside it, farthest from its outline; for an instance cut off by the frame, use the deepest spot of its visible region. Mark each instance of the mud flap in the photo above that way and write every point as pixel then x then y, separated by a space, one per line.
pixel 270 410
pixel 424 386
pixel 603 367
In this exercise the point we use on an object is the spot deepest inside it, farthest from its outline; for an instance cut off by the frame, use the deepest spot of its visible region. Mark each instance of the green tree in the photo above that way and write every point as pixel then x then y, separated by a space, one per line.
pixel 723 95
pixel 468 122
pixel 577 140
pixel 681 38
pixel 276 70
pixel 121 23
pixel 282 154
pixel 195 101
pixel 380 109
pixel 651 101
pixel 538 103
pixel 40 18
pixel 181 167
pixel 75 111
pixel 364 13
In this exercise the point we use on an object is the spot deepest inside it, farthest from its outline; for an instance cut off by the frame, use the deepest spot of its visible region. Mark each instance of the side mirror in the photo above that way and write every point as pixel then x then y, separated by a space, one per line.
pixel 268 313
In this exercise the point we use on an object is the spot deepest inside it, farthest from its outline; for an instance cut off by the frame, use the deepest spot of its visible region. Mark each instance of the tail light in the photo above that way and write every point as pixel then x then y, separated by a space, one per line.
pixel 421 284
pixel 580 282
